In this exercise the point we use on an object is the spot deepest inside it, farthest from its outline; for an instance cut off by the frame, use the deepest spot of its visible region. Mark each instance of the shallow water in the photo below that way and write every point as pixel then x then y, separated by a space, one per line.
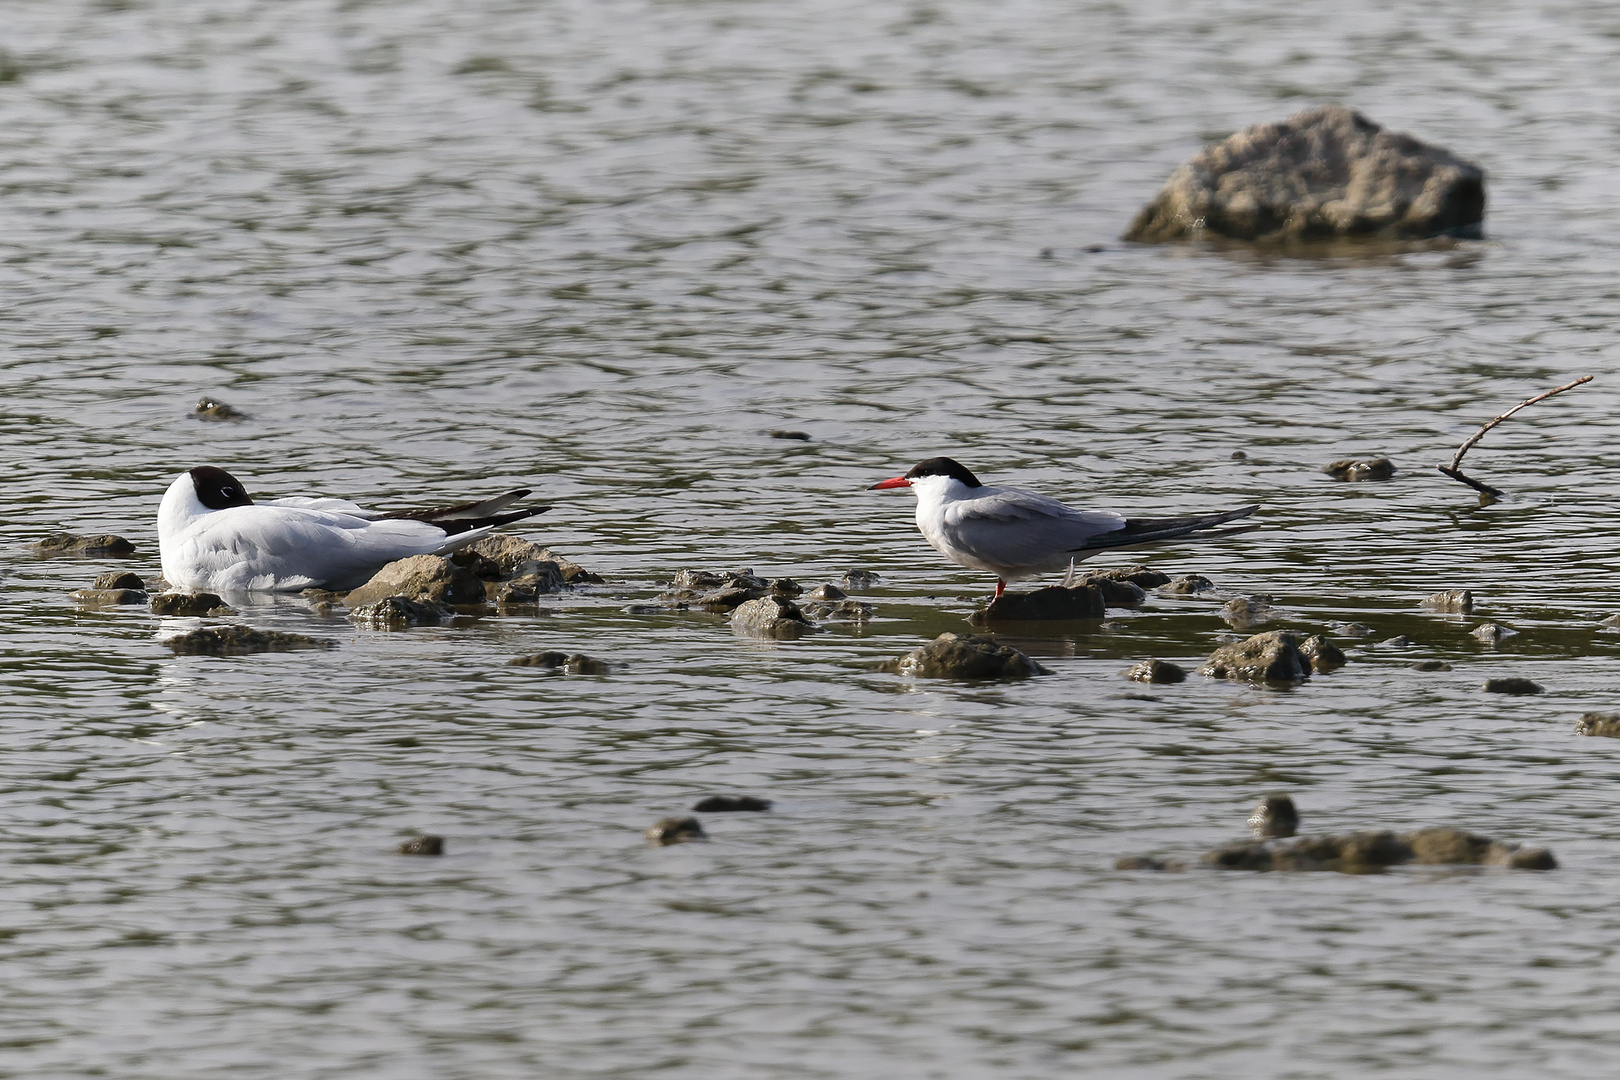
pixel 603 249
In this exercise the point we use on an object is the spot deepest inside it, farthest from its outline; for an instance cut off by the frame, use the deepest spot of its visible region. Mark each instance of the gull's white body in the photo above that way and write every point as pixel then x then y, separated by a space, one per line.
pixel 1006 531
pixel 285 545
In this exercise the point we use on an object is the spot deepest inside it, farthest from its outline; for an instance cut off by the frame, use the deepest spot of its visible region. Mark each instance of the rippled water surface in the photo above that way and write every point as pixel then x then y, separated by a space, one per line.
pixel 603 249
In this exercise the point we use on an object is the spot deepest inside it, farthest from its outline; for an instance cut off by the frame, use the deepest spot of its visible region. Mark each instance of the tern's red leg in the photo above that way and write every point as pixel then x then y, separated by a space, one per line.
pixel 1001 587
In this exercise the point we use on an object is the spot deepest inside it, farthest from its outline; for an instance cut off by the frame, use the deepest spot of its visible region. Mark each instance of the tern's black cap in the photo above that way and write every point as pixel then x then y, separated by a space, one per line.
pixel 944 466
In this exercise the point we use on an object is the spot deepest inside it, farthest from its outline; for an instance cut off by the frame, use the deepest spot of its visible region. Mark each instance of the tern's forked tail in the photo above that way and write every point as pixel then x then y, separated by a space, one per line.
pixel 1151 530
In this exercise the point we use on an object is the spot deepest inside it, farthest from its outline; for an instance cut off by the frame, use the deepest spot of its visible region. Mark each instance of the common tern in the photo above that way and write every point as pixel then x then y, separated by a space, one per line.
pixel 1013 533
pixel 213 536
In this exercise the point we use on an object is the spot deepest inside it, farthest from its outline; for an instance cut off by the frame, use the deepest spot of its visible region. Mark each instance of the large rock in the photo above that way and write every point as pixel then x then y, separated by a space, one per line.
pixel 1323 173
pixel 1051 604
pixel 430 578
pixel 966 656
pixel 1372 851
pixel 773 617
pixel 1270 657
pixel 239 640
pixel 500 556
pixel 69 544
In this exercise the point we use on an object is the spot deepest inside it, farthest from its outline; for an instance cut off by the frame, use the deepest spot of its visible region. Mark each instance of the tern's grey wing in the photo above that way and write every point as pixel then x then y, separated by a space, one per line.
pixel 1013 528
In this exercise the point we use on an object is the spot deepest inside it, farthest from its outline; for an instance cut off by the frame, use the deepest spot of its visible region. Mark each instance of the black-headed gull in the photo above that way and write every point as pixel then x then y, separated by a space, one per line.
pixel 1013 533
pixel 213 536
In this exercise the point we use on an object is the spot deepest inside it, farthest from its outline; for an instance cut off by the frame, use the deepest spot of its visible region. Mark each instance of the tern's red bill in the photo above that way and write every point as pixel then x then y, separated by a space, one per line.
pixel 891 482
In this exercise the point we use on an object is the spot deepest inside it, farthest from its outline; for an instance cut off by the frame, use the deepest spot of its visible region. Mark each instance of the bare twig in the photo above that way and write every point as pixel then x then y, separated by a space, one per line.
pixel 1454 470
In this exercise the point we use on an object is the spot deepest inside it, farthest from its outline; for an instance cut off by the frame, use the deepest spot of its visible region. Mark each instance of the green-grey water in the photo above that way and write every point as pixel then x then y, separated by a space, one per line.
pixel 435 250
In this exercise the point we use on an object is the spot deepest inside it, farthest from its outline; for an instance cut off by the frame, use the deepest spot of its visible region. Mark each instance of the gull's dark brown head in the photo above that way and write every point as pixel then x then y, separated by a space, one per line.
pixel 218 489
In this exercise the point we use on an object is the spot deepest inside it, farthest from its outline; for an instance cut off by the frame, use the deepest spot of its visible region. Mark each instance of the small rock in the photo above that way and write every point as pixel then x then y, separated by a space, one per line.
pixel 843 611
pixel 1276 815
pixel 699 580
pixel 1242 612
pixel 430 578
pixel 772 616
pixel 1273 656
pixel 827 592
pixel 240 640
pixel 1351 629
pixel 1378 468
pixel 422 845
pixel 1322 654
pixel 1051 604
pixel 1399 641
pixel 786 586
pixel 675 830
pixel 1189 585
pixel 1598 723
pixel 572 572
pixel 120 579
pixel 725 804
pixel 860 579
pixel 1325 172
pixel 214 409
pixel 1515 857
pixel 487 569
pixel 1148 862
pixel 783 433
pixel 965 656
pixel 654 609
pixel 1456 602
pixel 1116 592
pixel 1491 633
pixel 1239 455
pixel 107 597
pixel 715 592
pixel 398 613
pixel 69 544
pixel 1431 665
pixel 1157 671
pixel 1240 856
pixel 572 663
pixel 501 556
pixel 1611 623
pixel 527 589
pixel 1138 575
pixel 193 604
pixel 1511 686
